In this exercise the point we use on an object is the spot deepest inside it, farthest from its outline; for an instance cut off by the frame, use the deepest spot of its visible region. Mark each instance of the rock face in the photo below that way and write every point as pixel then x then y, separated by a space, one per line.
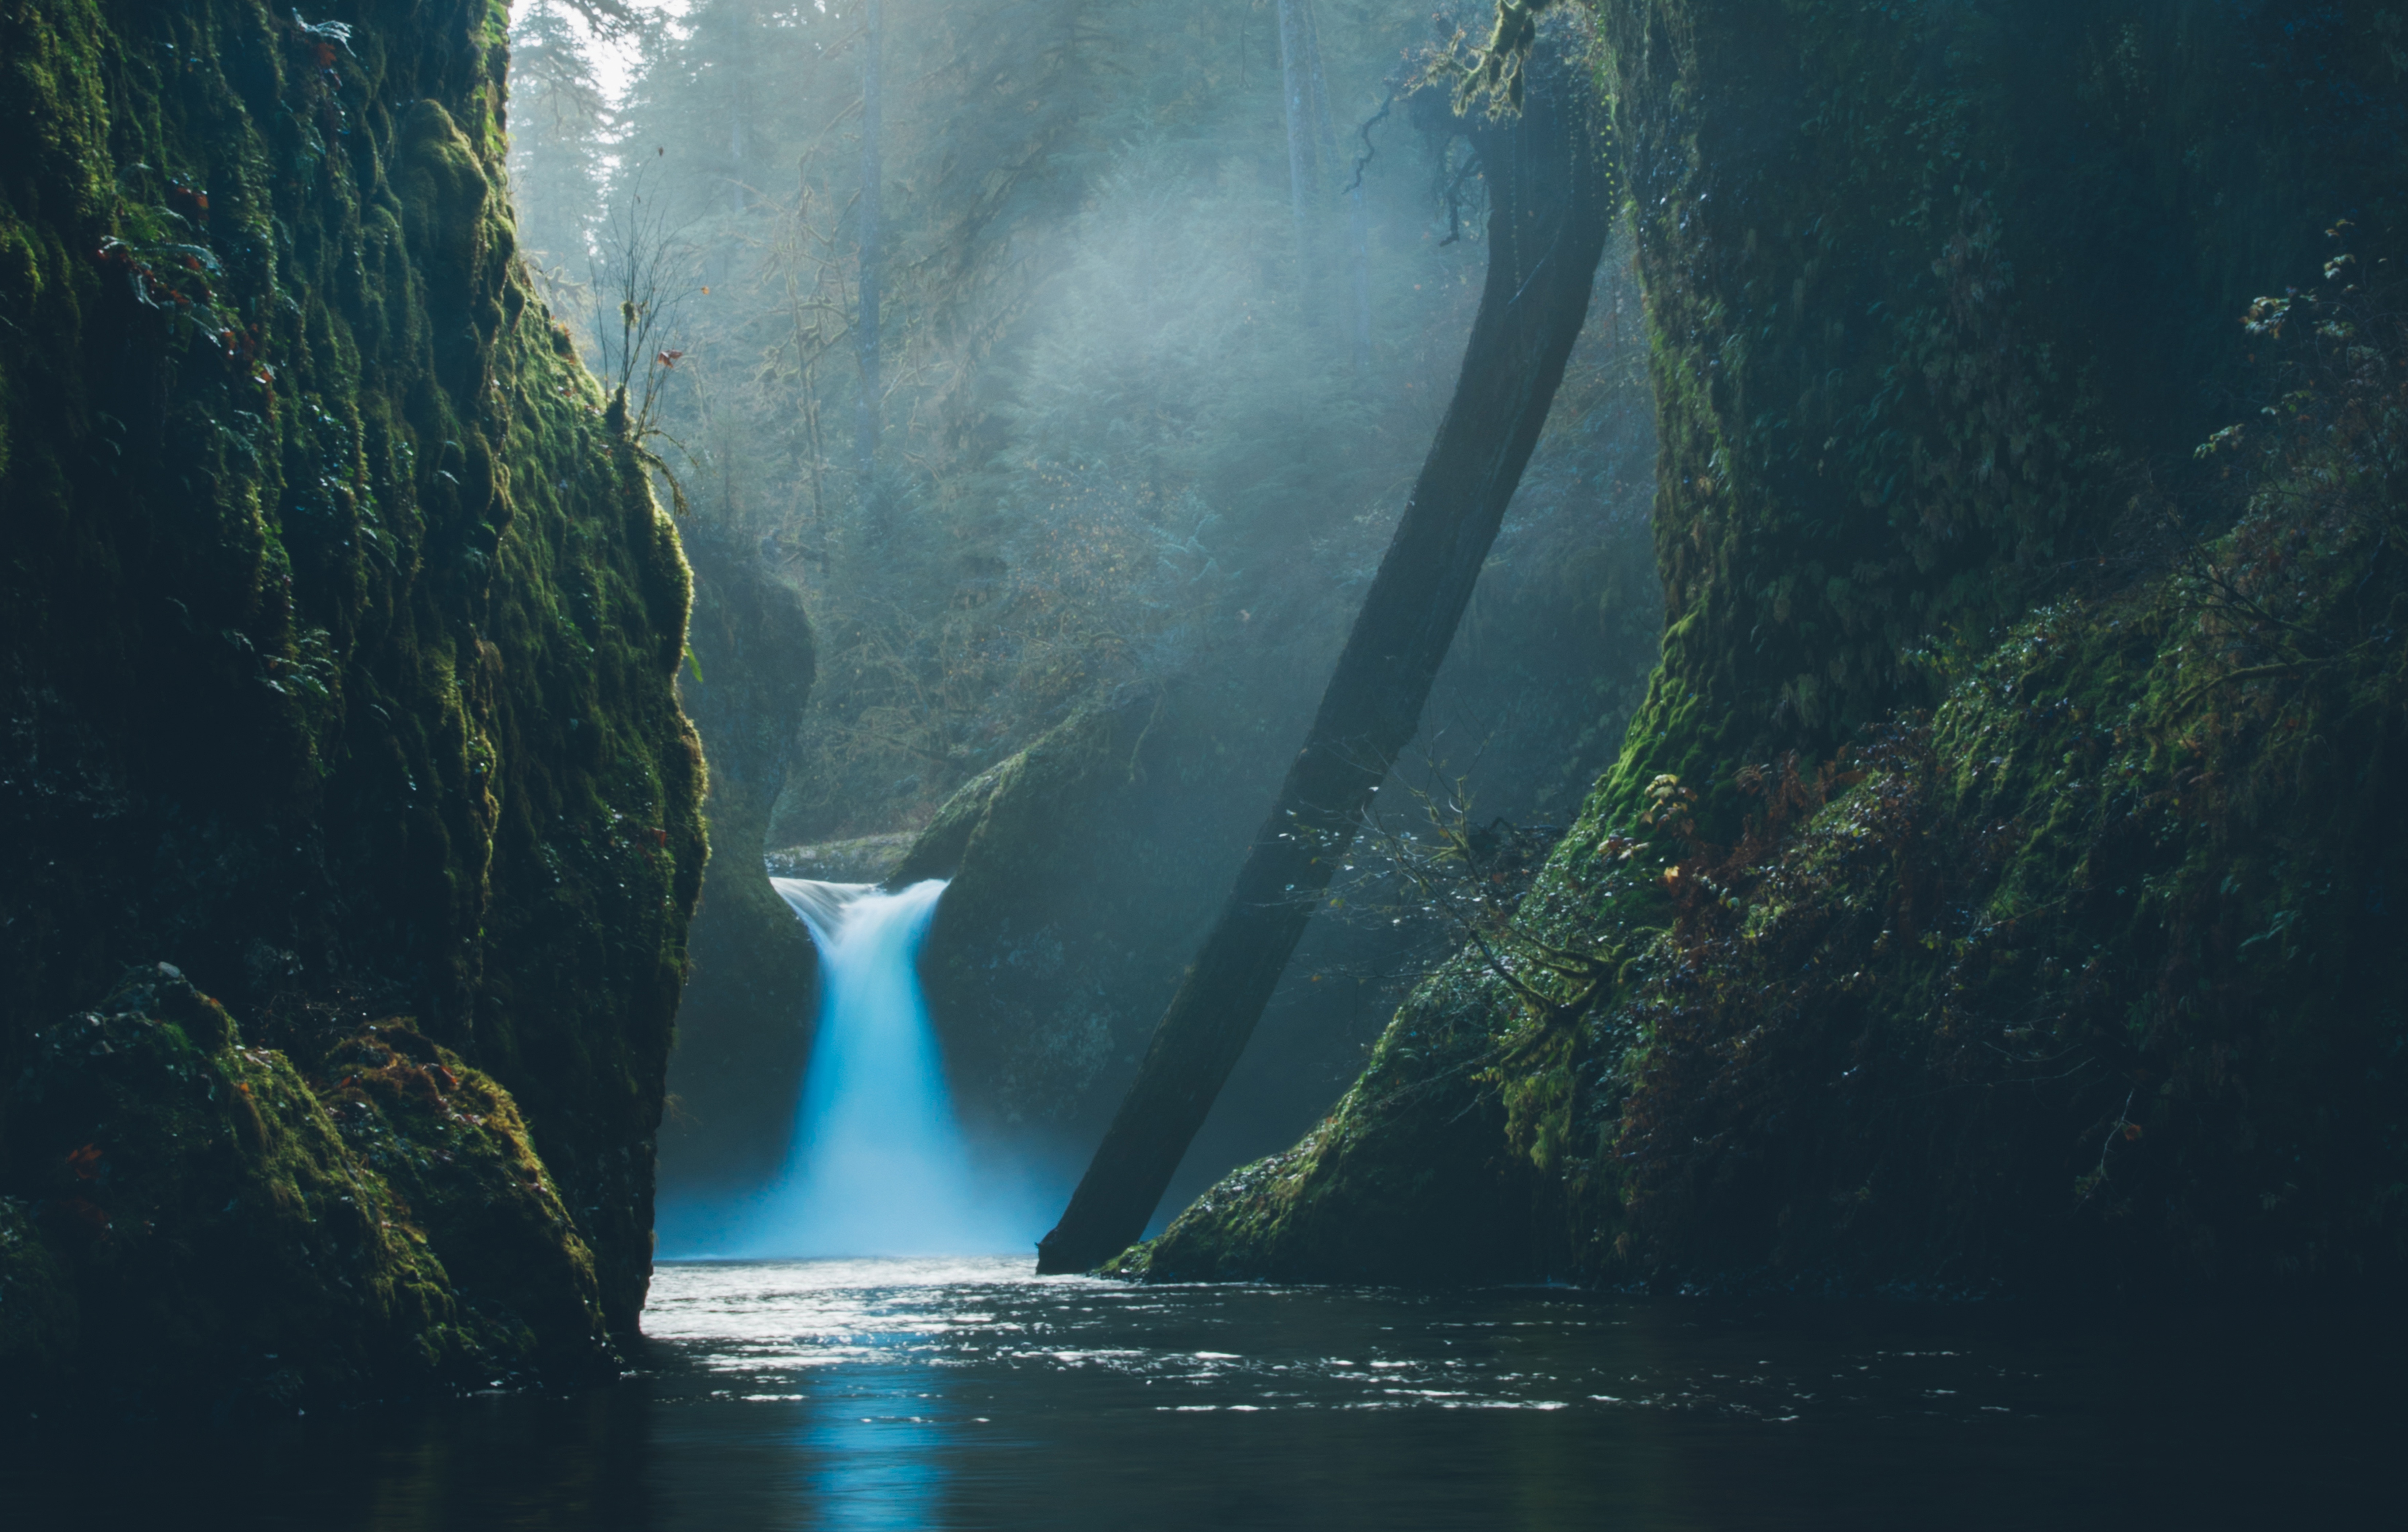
pixel 195 1216
pixel 743 1028
pixel 340 622
pixel 1998 886
pixel 1082 875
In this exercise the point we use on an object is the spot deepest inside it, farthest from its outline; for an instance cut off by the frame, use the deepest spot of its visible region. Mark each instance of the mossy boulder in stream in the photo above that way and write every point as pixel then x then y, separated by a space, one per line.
pixel 1999 888
pixel 192 1215
pixel 338 630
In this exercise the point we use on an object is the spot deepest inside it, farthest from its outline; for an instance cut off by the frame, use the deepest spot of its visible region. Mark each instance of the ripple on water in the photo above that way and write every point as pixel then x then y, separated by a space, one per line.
pixel 968 1392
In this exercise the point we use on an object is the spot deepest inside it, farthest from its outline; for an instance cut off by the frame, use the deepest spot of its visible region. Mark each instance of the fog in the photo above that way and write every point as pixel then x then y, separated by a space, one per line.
pixel 1158 351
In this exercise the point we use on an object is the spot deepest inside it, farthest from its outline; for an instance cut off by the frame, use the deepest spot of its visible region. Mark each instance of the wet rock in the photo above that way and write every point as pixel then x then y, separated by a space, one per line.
pixel 865 859
pixel 187 1216
pixel 1084 870
pixel 337 654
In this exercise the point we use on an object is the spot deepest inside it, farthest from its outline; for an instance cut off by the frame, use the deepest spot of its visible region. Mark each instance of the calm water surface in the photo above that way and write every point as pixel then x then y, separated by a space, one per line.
pixel 950 1393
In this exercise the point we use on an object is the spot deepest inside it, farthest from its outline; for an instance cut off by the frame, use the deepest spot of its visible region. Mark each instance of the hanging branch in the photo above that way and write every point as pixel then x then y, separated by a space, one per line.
pixel 644 262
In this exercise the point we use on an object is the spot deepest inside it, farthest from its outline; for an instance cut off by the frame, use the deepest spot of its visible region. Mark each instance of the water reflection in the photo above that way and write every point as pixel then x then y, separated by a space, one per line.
pixel 883 1452
pixel 966 1394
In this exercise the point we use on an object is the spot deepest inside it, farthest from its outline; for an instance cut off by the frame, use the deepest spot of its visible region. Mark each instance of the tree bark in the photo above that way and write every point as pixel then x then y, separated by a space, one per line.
pixel 1549 199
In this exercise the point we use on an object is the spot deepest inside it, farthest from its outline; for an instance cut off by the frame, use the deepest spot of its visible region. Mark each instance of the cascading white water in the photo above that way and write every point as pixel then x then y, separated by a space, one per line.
pixel 878 1166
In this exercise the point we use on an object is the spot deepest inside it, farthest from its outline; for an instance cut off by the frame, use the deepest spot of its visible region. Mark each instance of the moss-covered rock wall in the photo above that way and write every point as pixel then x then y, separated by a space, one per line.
pixel 338 621
pixel 1936 289
pixel 1997 887
pixel 200 1219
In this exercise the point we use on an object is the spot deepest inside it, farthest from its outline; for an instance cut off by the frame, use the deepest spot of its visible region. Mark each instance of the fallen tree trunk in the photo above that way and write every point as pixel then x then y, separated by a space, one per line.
pixel 1548 188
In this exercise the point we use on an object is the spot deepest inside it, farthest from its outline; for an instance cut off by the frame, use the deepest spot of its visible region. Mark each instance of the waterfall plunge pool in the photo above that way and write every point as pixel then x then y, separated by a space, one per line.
pixel 876 1164
pixel 967 1394
pixel 914 1390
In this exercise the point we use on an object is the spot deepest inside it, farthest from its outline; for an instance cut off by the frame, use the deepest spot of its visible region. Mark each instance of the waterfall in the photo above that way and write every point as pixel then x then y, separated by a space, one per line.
pixel 877 1165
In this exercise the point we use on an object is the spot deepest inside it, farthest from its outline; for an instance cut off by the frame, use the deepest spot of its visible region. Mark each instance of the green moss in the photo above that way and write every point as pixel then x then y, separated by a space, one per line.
pixel 451 1145
pixel 221 1240
pixel 1906 367
pixel 1418 1131
pixel 2091 979
pixel 194 1215
pixel 2035 921
pixel 341 626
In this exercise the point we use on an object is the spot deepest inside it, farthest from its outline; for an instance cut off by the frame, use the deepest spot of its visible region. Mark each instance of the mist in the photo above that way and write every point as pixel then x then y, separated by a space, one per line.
pixel 1249 763
pixel 1150 392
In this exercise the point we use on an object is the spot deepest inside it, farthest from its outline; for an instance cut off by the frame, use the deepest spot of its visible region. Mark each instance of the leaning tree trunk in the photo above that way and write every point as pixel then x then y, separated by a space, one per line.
pixel 1548 188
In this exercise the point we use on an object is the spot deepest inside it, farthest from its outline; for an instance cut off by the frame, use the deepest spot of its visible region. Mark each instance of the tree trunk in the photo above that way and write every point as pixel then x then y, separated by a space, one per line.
pixel 865 420
pixel 1549 200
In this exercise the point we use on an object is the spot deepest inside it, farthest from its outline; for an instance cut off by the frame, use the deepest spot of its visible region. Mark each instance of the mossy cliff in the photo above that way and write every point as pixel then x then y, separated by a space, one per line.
pixel 1937 289
pixel 340 623
pixel 2000 886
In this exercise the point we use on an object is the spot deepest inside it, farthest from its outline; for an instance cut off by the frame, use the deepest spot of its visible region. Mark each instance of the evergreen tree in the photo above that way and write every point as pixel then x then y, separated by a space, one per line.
pixel 559 127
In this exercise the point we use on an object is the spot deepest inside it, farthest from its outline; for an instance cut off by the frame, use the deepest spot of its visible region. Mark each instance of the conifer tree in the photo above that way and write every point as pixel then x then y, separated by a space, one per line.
pixel 559 128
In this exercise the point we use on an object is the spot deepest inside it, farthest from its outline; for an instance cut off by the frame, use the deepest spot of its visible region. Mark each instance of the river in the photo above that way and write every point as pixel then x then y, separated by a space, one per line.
pixel 945 1393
